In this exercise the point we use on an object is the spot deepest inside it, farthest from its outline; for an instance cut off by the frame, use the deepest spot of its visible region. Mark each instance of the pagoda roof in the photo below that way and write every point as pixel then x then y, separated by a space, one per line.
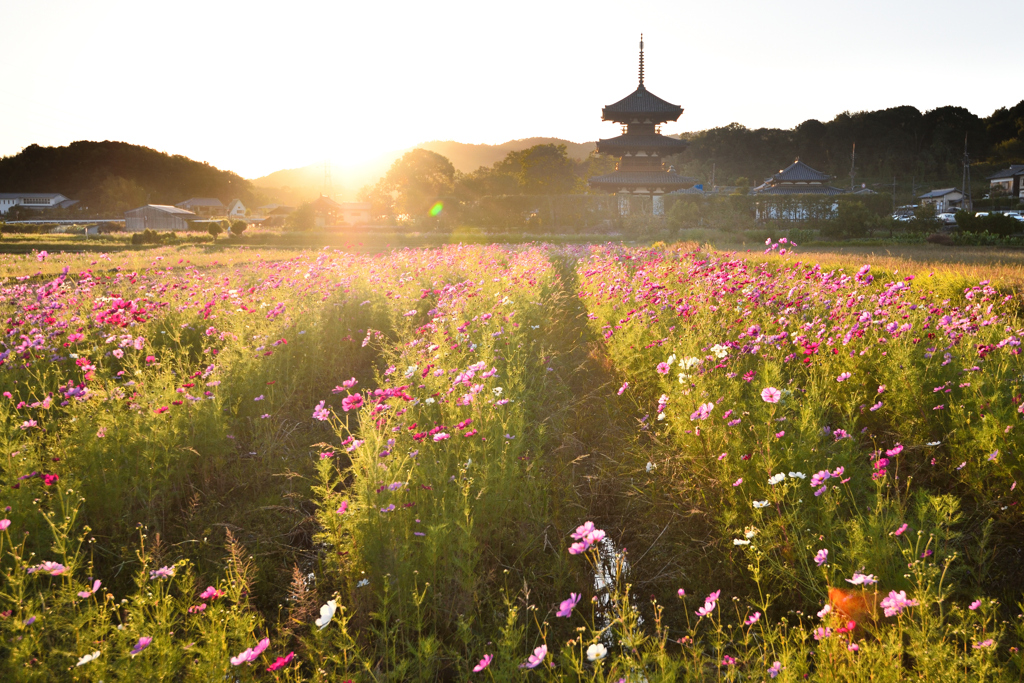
pixel 799 172
pixel 644 103
pixel 643 179
pixel 662 143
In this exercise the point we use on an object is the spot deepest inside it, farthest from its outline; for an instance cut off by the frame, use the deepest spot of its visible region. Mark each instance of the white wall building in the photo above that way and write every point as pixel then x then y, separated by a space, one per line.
pixel 34 200
pixel 236 209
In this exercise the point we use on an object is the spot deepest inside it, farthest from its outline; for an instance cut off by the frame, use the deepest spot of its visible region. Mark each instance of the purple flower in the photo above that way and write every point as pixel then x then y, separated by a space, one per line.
pixel 536 658
pixel 484 663
pixel 162 573
pixel 143 643
pixel 821 557
pixel 770 395
pixel 565 607
pixel 775 669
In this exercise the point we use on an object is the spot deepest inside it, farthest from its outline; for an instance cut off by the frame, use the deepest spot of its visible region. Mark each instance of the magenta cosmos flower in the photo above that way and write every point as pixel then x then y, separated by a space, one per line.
pixel 536 658
pixel 484 663
pixel 281 662
pixel 770 395
pixel 144 642
pixel 565 607
pixel 353 402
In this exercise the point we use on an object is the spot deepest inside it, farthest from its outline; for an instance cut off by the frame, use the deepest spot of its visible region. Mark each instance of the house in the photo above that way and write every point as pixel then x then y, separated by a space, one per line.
pixel 203 206
pixel 236 209
pixel 1009 181
pixel 34 200
pixel 356 213
pixel 943 201
pixel 275 213
pixel 157 217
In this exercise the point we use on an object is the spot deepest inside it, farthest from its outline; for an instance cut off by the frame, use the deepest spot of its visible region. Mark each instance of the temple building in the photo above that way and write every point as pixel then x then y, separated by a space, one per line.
pixel 797 178
pixel 641 147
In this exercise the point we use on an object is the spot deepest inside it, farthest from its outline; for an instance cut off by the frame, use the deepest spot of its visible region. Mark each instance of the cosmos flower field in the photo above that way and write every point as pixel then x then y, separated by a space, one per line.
pixel 516 462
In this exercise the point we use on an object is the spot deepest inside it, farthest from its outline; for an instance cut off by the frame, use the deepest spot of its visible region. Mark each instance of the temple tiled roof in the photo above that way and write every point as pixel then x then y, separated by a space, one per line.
pixel 796 189
pixel 641 103
pixel 643 179
pixel 798 171
pixel 663 144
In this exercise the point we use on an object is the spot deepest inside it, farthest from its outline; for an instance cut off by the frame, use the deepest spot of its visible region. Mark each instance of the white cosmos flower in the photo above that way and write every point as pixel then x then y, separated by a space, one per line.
pixel 758 504
pixel 88 658
pixel 740 541
pixel 797 475
pixel 775 479
pixel 720 351
pixel 596 651
pixel 326 614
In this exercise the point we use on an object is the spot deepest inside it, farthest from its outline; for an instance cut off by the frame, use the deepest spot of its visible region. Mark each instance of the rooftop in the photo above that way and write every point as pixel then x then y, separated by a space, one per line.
pixel 199 201
pixel 642 178
pixel 799 172
pixel 165 209
pixel 938 193
pixel 1015 169
pixel 30 195
pixel 661 143
pixel 641 102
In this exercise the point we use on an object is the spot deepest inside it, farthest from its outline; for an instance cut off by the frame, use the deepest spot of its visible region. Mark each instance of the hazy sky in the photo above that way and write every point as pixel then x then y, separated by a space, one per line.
pixel 259 86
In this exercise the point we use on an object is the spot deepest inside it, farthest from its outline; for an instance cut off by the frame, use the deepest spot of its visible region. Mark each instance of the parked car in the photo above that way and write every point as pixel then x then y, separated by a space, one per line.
pixel 947 218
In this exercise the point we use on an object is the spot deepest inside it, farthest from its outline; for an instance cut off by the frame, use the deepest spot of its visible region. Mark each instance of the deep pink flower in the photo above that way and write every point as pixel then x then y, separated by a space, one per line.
pixel 899 532
pixel 343 508
pixel 353 402
pixel 281 662
pixel 484 663
pixel 565 607
pixel 211 593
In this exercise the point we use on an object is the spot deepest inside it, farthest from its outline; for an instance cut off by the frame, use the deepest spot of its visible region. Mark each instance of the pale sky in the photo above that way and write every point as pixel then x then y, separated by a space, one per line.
pixel 259 86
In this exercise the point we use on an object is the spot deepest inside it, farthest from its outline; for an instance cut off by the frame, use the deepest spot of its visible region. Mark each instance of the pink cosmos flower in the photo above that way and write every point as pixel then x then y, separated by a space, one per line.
pixel 821 557
pixel 821 633
pixel 895 603
pixel 974 605
pixel 983 644
pixel 625 385
pixel 4 523
pixel 738 482
pixel 51 568
pixel 196 609
pixel 250 655
pixel 753 619
pixel 343 508
pixel 50 479
pixel 89 593
pixel 703 411
pixel 770 395
pixel 484 663
pixel 211 593
pixel 899 532
pixel 536 658
pixel 728 661
pixel 862 579
pixel 663 368
pixel 353 402
pixel 349 383
pixel 144 642
pixel 441 436
pixel 709 604
pixel 843 377
pixel 565 607
pixel 775 669
pixel 281 662
pixel 162 573
pixel 321 412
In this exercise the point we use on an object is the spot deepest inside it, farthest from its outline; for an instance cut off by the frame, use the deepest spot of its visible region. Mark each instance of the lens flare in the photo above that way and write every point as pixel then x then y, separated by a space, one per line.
pixel 436 209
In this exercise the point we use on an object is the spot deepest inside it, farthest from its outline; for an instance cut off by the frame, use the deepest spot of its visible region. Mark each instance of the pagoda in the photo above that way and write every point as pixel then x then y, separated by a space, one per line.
pixel 641 147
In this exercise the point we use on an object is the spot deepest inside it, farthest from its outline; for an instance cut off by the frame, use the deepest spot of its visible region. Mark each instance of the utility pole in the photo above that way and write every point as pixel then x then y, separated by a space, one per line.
pixel 712 176
pixel 894 194
pixel 968 201
pixel 853 165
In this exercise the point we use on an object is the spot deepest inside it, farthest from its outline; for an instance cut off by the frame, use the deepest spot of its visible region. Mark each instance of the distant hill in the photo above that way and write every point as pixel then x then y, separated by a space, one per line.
pixel 117 176
pixel 300 184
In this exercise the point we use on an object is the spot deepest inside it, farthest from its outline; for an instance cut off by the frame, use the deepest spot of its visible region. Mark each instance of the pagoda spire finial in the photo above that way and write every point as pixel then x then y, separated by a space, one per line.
pixel 641 60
